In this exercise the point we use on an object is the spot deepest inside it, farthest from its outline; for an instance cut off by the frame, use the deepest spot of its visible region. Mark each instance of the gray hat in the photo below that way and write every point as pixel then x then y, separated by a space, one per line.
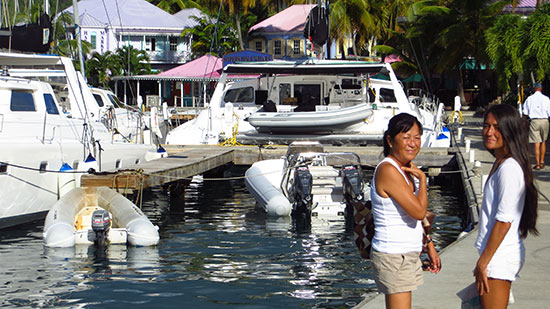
pixel 537 86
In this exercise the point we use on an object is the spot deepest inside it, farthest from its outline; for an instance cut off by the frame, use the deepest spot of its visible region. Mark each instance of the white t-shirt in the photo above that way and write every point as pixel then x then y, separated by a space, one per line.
pixel 395 231
pixel 537 106
pixel 503 200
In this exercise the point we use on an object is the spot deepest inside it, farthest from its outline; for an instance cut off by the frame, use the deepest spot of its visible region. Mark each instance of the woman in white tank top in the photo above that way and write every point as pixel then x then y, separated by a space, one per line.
pixel 398 208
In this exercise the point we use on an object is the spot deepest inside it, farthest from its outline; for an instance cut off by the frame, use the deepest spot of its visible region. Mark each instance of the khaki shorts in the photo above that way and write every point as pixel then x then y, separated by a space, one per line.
pixel 396 272
pixel 538 130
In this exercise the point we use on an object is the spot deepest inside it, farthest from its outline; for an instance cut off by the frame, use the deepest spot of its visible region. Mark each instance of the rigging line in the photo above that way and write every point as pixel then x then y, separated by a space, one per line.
pixel 74 92
pixel 419 65
pixel 132 95
pixel 209 53
pixel 425 66
pixel 120 21
pixel 55 23
pixel 41 170
pixel 108 18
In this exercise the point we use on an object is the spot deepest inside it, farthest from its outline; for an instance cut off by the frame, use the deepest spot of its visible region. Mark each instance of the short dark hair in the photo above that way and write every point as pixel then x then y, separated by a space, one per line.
pixel 399 123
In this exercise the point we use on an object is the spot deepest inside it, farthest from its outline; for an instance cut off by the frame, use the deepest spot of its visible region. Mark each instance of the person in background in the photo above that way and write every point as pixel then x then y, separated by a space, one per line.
pixel 537 108
pixel 509 208
pixel 398 207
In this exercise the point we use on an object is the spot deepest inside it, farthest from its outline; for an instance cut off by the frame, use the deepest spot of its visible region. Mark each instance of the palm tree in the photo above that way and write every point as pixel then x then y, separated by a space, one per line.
pixel 131 61
pixel 351 18
pixel 505 47
pixel 235 7
pixel 98 68
pixel 461 35
pixel 203 37
pixel 537 47
pixel 173 6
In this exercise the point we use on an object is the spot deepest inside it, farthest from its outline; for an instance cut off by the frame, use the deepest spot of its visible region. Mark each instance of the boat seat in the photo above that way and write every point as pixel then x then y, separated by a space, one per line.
pixel 326 190
pixel 323 171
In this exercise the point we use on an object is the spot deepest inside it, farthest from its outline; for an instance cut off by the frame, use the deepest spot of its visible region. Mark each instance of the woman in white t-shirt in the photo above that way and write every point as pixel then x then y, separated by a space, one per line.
pixel 398 208
pixel 509 209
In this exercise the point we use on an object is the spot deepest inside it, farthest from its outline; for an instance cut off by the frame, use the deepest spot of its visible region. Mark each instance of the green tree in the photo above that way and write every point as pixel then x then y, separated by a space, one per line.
pixel 130 61
pixel 505 47
pixel 99 68
pixel 203 37
pixel 537 47
pixel 235 8
pixel 173 6
pixel 460 34
pixel 351 19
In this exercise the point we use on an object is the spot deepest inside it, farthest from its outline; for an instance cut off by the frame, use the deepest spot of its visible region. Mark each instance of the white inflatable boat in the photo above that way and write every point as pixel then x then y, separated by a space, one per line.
pixel 83 214
pixel 307 181
pixel 321 121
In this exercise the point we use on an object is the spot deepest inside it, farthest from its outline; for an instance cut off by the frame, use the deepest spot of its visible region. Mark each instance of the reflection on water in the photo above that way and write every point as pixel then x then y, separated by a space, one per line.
pixel 216 248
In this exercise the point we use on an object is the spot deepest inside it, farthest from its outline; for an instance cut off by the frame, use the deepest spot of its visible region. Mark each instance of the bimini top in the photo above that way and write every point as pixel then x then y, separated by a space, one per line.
pixel 307 67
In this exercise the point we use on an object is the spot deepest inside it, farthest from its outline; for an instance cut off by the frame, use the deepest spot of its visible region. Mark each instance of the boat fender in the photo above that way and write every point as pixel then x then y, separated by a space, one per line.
pixel 154 122
pixel 65 180
pixel 165 111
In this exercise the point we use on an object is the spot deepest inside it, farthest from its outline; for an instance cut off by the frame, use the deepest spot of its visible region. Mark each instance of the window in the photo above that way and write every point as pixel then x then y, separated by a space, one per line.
pixel 296 47
pixel 22 101
pixel 114 100
pixel 240 95
pixel 150 44
pixel 51 108
pixel 387 95
pixel 173 43
pixel 277 50
pixel 98 99
pixel 259 46
pixel 308 96
pixel 93 40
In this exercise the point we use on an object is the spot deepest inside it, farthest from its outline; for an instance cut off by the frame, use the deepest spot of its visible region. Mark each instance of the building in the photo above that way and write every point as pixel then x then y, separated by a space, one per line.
pixel 282 35
pixel 109 25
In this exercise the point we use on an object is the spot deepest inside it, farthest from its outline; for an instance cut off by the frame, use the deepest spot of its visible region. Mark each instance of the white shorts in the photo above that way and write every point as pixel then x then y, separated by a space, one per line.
pixel 504 269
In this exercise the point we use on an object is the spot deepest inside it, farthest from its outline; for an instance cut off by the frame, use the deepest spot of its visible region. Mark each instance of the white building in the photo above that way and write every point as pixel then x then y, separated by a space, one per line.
pixel 109 25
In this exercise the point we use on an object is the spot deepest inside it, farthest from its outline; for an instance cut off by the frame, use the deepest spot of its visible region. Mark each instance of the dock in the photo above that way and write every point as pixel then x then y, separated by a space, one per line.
pixel 532 288
pixel 184 162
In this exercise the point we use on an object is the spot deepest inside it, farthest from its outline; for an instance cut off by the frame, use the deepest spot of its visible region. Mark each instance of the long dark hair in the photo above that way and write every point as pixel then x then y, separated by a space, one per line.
pixel 399 123
pixel 515 136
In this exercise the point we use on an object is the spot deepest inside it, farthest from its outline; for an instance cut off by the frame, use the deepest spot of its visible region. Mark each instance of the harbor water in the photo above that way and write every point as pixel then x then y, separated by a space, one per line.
pixel 216 250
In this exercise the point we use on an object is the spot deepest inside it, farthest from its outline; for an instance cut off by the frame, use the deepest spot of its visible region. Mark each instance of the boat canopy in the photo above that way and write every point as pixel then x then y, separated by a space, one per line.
pixel 307 67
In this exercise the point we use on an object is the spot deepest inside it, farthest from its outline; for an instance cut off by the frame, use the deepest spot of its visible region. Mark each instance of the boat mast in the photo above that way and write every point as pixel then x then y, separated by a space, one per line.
pixel 78 37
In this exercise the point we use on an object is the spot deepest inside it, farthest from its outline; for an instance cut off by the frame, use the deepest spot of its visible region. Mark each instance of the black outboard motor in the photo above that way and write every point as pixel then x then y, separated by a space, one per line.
pixel 303 182
pixel 101 222
pixel 353 185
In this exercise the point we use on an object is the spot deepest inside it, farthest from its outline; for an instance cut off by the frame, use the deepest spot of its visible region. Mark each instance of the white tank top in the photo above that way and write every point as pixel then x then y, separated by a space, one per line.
pixel 395 231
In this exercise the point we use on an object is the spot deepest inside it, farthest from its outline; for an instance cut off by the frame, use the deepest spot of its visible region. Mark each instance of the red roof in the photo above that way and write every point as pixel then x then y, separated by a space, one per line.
pixel 206 66
pixel 291 19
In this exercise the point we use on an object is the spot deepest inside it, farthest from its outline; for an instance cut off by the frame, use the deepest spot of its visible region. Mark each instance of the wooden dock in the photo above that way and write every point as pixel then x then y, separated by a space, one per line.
pixel 184 162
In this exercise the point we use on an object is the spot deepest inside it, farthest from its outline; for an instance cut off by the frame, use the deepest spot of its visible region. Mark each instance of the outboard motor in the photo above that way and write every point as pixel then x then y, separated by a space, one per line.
pixel 353 190
pixel 303 182
pixel 101 222
pixel 353 185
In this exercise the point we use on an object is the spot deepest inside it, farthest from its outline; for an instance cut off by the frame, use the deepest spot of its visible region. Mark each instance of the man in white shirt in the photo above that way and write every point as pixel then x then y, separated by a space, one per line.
pixel 537 108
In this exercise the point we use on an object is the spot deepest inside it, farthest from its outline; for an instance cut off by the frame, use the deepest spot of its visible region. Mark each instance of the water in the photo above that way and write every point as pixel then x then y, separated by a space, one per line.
pixel 216 250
